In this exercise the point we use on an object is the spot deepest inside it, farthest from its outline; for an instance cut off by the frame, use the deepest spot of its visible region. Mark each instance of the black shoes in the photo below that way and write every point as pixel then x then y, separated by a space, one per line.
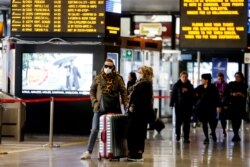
pixel 206 141
pixel 236 138
pixel 214 137
pixel 137 157
pixel 224 133
pixel 186 141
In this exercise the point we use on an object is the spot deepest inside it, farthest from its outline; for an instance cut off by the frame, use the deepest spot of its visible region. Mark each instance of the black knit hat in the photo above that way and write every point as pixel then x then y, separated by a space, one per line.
pixel 206 76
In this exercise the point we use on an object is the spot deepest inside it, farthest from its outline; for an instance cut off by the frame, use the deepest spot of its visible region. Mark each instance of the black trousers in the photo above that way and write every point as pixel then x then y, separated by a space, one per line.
pixel 236 123
pixel 137 130
pixel 212 121
pixel 222 119
pixel 185 120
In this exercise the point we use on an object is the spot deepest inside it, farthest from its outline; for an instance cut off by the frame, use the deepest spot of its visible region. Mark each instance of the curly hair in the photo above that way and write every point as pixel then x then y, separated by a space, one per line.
pixel 147 72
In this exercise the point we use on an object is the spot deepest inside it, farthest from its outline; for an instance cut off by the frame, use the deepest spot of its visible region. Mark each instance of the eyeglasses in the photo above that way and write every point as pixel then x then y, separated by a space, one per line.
pixel 107 66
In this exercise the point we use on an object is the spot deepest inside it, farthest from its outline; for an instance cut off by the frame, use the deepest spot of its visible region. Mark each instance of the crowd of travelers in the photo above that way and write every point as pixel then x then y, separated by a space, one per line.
pixel 210 103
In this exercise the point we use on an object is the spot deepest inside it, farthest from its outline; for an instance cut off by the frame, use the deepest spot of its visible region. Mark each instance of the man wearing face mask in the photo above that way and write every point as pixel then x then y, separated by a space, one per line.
pixel 108 81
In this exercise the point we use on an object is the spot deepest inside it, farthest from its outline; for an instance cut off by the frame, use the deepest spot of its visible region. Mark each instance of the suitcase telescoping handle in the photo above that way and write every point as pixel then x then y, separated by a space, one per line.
pixel 104 136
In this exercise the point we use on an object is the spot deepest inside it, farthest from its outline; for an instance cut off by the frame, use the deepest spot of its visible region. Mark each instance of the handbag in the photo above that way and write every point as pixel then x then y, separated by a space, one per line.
pixel 109 103
pixel 197 106
pixel 159 125
pixel 151 115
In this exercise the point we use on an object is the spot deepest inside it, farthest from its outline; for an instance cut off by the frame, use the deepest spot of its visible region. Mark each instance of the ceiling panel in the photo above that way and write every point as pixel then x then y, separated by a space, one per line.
pixel 150 5
pixel 138 5
pixel 5 2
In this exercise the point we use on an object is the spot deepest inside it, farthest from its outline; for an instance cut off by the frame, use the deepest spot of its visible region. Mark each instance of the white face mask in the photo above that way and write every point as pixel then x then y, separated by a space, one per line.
pixel 139 76
pixel 107 70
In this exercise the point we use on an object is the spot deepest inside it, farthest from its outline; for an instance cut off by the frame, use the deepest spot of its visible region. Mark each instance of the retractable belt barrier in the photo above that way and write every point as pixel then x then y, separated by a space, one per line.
pixel 51 100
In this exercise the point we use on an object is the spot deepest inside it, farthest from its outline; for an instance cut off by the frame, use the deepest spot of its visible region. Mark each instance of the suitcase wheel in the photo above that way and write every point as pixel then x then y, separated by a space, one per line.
pixel 100 157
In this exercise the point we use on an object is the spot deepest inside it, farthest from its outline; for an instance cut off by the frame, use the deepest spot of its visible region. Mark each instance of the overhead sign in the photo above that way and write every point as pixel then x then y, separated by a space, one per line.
pixel 213 24
pixel 247 58
pixel 64 18
pixel 150 29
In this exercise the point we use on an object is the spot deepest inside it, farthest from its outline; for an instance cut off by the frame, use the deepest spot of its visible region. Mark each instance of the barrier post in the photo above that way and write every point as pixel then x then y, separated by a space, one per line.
pixel 51 126
pixel 1 121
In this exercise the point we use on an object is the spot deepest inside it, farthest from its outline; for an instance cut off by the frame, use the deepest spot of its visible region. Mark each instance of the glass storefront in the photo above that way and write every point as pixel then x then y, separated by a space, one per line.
pixel 165 66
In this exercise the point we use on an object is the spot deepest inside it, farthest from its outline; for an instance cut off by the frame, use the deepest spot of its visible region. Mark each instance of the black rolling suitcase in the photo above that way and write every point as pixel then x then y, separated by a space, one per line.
pixel 112 136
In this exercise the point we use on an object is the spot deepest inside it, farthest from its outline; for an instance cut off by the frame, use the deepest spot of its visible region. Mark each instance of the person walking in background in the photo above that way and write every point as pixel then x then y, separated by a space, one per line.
pixel 75 75
pixel 110 82
pixel 182 99
pixel 131 81
pixel 72 75
pixel 140 104
pixel 248 105
pixel 237 93
pixel 221 85
pixel 207 105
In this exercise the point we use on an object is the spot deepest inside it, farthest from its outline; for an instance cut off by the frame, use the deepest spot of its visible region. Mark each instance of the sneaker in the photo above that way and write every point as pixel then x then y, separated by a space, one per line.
pixel 206 141
pixel 214 137
pixel 86 155
pixel 194 125
pixel 136 158
pixel 186 141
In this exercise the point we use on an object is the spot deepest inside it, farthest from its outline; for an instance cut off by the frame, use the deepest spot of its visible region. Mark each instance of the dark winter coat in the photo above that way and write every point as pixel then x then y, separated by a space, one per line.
pixel 182 101
pixel 209 100
pixel 141 99
pixel 236 104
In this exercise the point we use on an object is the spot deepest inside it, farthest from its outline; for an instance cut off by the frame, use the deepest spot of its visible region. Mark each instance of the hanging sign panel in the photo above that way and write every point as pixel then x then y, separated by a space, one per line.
pixel 213 24
pixel 57 18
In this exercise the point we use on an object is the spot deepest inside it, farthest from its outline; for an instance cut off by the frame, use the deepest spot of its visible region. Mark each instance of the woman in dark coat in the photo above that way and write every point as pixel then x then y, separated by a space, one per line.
pixel 131 81
pixel 140 104
pixel 182 99
pixel 237 93
pixel 209 104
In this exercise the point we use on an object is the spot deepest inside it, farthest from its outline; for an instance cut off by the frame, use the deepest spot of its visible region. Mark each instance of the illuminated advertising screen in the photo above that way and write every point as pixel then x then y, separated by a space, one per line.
pixel 58 18
pixel 57 73
pixel 248 16
pixel 114 6
pixel 213 24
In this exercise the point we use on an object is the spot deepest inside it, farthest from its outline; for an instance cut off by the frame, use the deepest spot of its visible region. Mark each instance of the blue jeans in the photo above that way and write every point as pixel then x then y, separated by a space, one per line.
pixel 94 131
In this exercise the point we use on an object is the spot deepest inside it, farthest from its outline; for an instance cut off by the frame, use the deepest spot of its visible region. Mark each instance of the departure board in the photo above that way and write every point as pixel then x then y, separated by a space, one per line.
pixel 57 18
pixel 213 24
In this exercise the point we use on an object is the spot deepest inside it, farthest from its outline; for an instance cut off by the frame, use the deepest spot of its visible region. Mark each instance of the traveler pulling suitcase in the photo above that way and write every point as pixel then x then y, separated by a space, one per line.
pixel 112 136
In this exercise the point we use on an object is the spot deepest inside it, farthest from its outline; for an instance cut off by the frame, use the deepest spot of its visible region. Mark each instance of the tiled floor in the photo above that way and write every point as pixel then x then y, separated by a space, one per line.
pixel 161 151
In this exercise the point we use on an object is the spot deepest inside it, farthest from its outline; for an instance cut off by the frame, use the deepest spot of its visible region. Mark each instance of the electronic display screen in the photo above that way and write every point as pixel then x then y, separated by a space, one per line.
pixel 57 73
pixel 114 6
pixel 213 24
pixel 248 17
pixel 58 18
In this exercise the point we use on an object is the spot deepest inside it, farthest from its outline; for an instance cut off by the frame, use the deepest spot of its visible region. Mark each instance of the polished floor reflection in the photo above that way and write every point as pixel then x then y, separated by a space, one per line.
pixel 161 150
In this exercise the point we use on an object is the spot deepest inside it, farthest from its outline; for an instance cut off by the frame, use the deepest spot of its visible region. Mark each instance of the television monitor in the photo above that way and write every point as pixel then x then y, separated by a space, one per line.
pixel 57 73
pixel 48 70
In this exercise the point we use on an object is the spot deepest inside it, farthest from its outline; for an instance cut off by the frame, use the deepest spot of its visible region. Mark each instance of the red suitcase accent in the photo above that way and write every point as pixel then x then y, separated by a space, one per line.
pixel 112 136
